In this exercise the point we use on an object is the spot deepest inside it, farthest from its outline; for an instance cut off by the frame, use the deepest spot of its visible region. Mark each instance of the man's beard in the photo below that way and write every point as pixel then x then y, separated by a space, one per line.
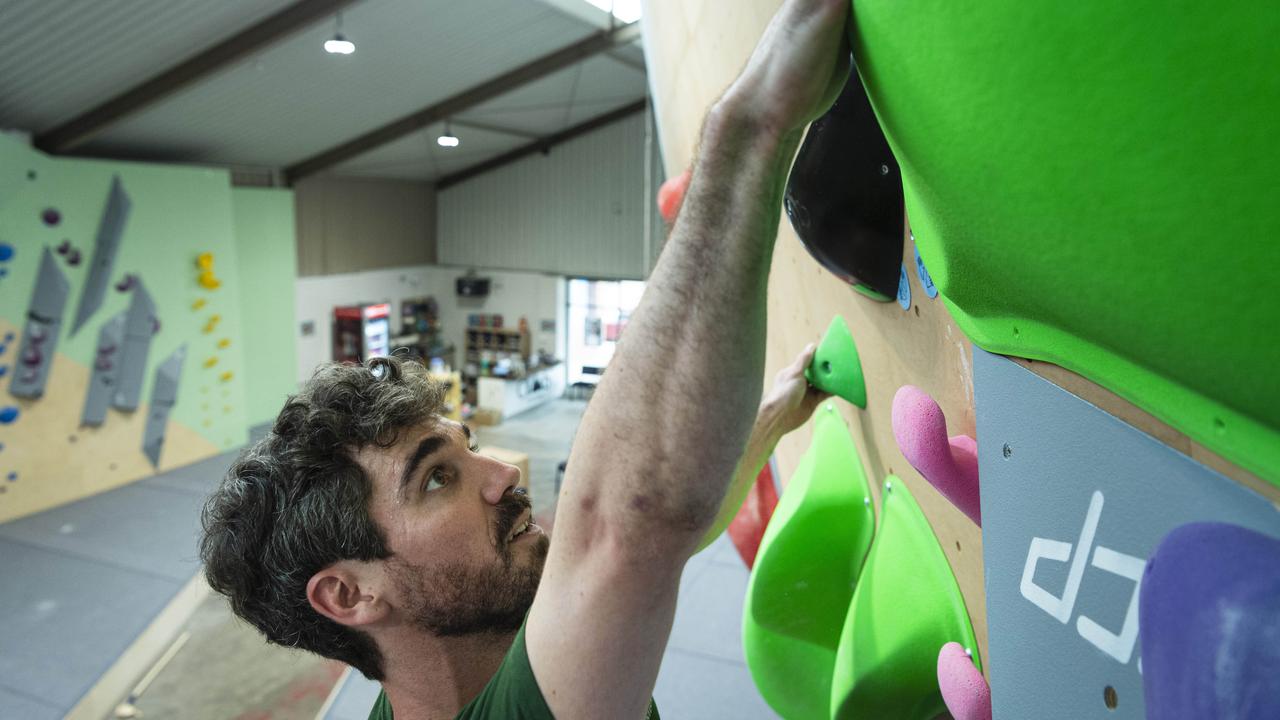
pixel 461 599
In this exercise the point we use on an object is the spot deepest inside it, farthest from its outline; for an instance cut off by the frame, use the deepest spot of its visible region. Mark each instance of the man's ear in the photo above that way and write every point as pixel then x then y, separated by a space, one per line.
pixel 347 593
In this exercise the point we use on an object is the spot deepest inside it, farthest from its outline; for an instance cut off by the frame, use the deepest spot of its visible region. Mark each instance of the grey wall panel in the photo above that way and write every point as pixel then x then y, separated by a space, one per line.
pixel 42 329
pixel 1073 502
pixel 579 210
pixel 105 246
pixel 105 370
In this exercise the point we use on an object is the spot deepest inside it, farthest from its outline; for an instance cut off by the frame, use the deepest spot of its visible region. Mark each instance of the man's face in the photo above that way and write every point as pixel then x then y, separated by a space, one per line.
pixel 460 562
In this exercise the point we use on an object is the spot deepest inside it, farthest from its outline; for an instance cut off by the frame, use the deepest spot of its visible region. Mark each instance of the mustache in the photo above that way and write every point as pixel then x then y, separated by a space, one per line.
pixel 513 505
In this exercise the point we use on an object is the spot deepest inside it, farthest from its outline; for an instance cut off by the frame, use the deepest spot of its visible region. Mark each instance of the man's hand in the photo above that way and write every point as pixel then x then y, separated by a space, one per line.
pixel 798 69
pixel 792 400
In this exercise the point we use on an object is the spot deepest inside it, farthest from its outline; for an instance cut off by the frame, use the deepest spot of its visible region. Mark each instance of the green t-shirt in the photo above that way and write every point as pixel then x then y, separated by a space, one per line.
pixel 512 693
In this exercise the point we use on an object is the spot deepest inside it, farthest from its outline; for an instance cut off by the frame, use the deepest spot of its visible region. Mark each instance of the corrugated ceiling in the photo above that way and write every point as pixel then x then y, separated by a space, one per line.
pixel 292 100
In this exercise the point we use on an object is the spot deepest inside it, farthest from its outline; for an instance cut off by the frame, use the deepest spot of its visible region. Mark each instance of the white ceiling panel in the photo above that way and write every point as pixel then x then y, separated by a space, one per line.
pixel 294 100
pixel 62 57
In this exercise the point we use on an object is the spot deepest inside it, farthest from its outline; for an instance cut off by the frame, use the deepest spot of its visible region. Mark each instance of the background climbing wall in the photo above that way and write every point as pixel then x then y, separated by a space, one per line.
pixel 695 48
pixel 170 217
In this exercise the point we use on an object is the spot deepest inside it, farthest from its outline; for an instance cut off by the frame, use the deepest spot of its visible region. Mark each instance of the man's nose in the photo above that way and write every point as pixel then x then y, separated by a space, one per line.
pixel 499 478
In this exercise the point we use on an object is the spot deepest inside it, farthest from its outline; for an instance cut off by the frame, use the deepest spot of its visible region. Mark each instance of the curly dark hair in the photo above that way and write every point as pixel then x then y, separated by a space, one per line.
pixel 297 501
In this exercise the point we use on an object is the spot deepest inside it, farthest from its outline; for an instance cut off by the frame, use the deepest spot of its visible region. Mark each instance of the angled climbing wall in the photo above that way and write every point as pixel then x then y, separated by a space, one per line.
pixel 125 337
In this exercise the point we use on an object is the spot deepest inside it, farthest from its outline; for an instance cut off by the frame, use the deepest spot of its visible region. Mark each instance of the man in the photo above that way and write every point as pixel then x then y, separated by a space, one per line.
pixel 365 528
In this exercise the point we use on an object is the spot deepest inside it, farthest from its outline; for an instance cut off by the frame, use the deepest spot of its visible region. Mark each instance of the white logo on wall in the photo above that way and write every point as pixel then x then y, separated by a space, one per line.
pixel 1117 645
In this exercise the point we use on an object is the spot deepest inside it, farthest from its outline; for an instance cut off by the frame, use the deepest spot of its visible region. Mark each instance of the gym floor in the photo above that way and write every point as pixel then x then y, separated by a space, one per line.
pixel 85 579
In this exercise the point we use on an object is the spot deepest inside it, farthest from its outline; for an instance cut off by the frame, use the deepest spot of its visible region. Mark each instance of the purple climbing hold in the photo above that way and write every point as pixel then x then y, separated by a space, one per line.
pixel 32 357
pixel 74 258
pixel 51 216
pixel 6 252
pixel 8 414
pixel 1209 620
pixel 64 247
pixel 126 283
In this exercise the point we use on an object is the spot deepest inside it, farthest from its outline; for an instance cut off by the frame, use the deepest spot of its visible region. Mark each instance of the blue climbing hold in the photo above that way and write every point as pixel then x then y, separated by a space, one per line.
pixel 8 414
pixel 6 252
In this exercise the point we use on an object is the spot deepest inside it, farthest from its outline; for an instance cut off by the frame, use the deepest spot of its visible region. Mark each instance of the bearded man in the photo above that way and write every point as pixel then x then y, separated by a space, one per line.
pixel 366 528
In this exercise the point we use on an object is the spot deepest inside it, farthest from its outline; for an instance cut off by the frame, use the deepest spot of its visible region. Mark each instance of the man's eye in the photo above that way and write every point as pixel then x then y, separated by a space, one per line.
pixel 436 479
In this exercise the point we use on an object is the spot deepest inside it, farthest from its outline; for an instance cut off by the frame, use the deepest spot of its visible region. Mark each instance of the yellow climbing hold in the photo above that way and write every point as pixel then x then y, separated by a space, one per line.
pixel 211 362
pixel 199 303
pixel 204 261
pixel 209 281
pixel 224 343
pixel 226 376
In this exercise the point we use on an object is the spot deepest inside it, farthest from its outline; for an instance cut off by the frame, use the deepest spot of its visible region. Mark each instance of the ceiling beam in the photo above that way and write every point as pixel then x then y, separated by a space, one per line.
pixel 463 101
pixel 499 129
pixel 542 145
pixel 84 127
pixel 624 60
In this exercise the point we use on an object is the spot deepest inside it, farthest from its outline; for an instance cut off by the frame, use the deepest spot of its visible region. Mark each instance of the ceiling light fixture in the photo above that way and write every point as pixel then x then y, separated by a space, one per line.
pixel 339 44
pixel 448 139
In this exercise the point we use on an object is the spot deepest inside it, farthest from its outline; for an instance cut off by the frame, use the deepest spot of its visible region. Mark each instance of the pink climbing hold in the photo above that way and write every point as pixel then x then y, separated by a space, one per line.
pixel 964 691
pixel 949 464
pixel 671 195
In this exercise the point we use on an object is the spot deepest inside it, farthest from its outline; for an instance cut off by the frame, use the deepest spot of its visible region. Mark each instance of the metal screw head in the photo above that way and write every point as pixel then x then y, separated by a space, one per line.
pixel 829 407
pixel 884 169
pixel 1008 451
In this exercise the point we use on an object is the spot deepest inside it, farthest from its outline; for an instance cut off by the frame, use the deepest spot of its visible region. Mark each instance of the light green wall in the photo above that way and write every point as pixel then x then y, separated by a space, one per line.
pixel 177 213
pixel 264 231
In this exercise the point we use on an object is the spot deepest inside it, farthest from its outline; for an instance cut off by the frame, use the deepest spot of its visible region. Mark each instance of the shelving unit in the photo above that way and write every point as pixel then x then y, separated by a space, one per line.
pixel 496 340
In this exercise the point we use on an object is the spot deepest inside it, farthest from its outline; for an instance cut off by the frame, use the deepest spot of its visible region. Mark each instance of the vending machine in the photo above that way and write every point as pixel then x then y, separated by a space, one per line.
pixel 361 332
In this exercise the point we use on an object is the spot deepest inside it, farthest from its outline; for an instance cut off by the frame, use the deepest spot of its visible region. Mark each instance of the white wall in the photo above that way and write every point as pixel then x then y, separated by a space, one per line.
pixel 535 296
pixel 578 211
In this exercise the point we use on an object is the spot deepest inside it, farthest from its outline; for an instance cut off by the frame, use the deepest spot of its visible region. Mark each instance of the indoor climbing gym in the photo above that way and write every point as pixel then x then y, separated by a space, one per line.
pixel 639 360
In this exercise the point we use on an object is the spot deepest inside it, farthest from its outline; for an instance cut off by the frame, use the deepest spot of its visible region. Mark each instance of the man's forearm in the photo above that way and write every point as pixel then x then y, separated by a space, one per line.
pixel 667 426
pixel 764 437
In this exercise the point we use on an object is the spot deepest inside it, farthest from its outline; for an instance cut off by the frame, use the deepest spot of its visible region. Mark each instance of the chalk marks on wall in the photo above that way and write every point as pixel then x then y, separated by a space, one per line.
pixel 105 247
pixel 164 395
pixel 41 330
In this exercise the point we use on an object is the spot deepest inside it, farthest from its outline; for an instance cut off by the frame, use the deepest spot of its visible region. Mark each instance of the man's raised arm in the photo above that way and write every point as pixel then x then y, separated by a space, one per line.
pixel 667 426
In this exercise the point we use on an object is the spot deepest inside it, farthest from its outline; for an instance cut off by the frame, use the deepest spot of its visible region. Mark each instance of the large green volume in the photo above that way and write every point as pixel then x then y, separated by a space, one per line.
pixel 1097 184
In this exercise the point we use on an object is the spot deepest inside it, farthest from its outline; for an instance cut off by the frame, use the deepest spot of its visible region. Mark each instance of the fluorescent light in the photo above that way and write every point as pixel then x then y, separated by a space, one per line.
pixel 625 10
pixel 448 140
pixel 339 45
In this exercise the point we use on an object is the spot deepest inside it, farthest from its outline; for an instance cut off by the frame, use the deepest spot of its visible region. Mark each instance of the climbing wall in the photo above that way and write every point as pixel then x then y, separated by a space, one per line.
pixel 1174 368
pixel 122 343
pixel 694 50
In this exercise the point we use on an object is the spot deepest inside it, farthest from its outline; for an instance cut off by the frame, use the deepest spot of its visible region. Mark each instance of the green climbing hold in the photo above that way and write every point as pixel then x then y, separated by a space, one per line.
pixel 809 561
pixel 907 605
pixel 836 367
